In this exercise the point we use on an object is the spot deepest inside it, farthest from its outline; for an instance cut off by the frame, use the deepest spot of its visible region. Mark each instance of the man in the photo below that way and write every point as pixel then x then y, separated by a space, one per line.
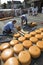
pixel 9 27
pixel 23 19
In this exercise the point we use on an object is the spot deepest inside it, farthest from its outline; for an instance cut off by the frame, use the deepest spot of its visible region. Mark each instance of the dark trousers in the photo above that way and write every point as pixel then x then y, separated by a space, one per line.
pixel 23 20
pixel 7 32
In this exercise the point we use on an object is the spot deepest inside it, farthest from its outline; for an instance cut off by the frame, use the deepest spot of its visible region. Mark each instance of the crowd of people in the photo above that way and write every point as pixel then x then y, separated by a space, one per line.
pixel 34 10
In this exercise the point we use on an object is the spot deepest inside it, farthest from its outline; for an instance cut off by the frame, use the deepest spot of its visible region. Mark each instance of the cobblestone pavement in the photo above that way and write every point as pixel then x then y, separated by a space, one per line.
pixel 38 18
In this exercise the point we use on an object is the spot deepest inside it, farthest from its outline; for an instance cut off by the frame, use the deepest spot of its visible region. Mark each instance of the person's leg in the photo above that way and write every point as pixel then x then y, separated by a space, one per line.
pixel 9 32
pixel 4 33
pixel 26 21
pixel 21 22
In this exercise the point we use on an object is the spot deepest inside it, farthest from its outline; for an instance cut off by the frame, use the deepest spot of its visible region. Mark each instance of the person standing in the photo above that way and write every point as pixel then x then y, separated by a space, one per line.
pixel 23 19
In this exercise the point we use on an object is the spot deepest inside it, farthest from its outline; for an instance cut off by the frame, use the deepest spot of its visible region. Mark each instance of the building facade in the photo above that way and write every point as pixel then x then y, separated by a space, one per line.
pixel 14 4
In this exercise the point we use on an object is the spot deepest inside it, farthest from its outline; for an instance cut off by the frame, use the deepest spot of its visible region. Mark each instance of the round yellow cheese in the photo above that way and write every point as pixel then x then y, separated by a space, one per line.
pixel 4 46
pixel 27 36
pixel 38 31
pixel 38 36
pixel 14 42
pixel 40 45
pixel 33 33
pixel 34 51
pixel 24 58
pixel 17 35
pixel 12 61
pixel 6 54
pixel 34 39
pixel 21 39
pixel 17 48
pixel 41 29
pixel 27 43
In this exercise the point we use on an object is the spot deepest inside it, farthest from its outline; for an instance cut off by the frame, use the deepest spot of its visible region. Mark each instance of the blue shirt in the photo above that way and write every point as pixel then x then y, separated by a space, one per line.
pixel 8 26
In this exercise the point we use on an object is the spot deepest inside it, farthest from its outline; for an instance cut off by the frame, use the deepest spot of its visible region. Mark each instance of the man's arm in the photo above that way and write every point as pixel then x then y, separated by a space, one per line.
pixel 11 27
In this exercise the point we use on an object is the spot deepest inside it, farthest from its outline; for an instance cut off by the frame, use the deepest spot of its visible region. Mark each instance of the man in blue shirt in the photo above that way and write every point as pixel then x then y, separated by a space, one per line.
pixel 9 27
pixel 23 19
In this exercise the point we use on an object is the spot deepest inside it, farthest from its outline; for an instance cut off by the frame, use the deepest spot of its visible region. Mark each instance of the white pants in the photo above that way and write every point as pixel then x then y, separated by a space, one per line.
pixel 33 13
pixel 42 11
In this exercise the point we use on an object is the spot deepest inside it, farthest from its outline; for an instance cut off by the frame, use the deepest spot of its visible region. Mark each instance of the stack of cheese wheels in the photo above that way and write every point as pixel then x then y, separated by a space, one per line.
pixel 21 39
pixel 4 46
pixel 34 51
pixel 39 36
pixel 41 29
pixel 38 31
pixel 32 24
pixel 12 61
pixel 27 36
pixel 24 58
pixel 27 43
pixel 33 39
pixel 18 48
pixel 40 45
pixel 14 42
pixel 17 35
pixel 33 33
pixel 6 54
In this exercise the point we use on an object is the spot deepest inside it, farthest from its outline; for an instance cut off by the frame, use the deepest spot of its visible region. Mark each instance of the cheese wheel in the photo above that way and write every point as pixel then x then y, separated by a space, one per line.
pixel 38 36
pixel 42 34
pixel 14 42
pixel 33 33
pixel 12 61
pixel 4 46
pixel 17 35
pixel 27 43
pixel 41 29
pixel 21 39
pixel 0 47
pixel 33 39
pixel 17 48
pixel 27 36
pixel 38 31
pixel 42 39
pixel 34 51
pixel 0 58
pixel 40 45
pixel 6 54
pixel 34 23
pixel 24 58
